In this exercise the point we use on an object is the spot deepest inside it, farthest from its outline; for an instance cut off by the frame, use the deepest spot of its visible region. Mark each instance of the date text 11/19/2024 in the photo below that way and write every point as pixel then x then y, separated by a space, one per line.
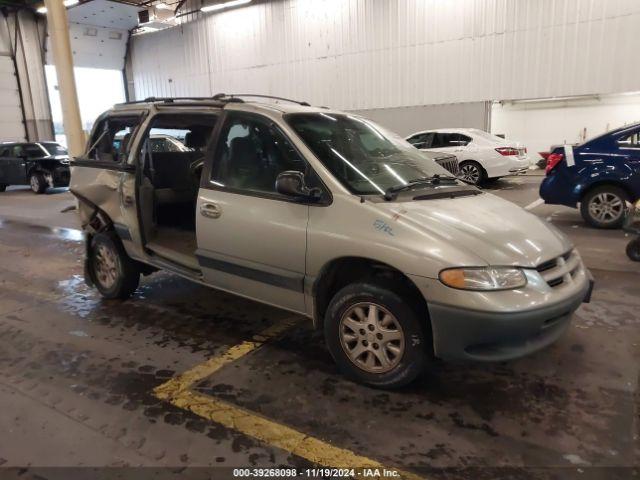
pixel 316 473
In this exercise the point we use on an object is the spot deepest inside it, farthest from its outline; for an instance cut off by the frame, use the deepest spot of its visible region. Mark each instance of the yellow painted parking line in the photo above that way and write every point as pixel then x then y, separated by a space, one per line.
pixel 182 383
pixel 178 392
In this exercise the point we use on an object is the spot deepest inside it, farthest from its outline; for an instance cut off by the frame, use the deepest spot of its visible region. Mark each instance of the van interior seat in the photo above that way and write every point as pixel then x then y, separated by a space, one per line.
pixel 171 176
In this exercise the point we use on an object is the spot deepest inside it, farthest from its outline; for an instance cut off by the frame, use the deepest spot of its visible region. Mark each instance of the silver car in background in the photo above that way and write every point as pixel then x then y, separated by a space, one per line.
pixel 331 216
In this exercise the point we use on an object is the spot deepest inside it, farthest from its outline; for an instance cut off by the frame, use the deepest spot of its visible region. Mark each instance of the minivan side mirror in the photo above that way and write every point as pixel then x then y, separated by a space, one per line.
pixel 292 184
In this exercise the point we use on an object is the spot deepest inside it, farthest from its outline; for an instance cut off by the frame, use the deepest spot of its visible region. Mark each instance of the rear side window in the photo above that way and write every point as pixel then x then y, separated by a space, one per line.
pixel 422 140
pixel 459 140
pixel 630 141
pixel 110 140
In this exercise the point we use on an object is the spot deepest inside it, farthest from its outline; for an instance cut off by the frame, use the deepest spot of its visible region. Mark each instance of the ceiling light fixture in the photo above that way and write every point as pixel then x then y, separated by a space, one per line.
pixel 222 6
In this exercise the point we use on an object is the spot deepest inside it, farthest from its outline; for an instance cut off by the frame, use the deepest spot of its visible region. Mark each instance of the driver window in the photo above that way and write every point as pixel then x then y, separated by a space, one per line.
pixel 18 151
pixel 252 153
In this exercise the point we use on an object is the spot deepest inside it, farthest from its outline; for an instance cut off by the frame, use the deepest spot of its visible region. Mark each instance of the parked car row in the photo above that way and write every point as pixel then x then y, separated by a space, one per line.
pixel 396 260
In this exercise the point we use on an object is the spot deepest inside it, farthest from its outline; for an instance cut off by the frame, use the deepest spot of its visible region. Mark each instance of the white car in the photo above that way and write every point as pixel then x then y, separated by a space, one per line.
pixel 480 155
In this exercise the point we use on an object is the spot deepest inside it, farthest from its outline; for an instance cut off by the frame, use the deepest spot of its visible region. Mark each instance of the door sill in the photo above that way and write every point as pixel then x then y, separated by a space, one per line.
pixel 171 265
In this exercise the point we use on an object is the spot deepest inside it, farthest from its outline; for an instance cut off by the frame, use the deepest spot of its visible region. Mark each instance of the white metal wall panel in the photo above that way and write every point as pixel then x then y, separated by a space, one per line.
pixel 372 54
pixel 11 124
pixel 11 119
pixel 94 46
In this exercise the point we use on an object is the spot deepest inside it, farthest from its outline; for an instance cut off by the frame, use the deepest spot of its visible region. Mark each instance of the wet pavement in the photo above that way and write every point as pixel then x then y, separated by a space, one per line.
pixel 77 373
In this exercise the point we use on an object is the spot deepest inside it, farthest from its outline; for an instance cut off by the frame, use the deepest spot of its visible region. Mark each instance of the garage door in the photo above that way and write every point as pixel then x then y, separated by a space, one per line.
pixel 11 125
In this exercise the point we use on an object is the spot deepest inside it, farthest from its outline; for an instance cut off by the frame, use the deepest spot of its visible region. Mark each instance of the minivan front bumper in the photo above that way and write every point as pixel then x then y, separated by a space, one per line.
pixel 463 333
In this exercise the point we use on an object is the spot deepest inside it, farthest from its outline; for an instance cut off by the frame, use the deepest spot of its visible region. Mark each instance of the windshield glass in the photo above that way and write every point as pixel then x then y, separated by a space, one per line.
pixel 54 148
pixel 364 157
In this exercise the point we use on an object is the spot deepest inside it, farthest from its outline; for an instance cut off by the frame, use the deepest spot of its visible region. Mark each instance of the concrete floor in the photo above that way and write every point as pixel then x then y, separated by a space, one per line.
pixel 77 373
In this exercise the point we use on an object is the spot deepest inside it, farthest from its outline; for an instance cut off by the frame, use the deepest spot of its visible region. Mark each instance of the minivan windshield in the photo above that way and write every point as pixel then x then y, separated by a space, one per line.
pixel 364 157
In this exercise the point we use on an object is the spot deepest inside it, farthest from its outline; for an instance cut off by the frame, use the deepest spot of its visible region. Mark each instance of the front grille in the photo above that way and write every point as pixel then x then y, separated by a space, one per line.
pixel 449 163
pixel 561 270
pixel 61 175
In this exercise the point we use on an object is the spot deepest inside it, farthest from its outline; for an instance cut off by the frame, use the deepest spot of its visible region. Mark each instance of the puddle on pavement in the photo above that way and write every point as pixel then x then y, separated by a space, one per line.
pixel 69 234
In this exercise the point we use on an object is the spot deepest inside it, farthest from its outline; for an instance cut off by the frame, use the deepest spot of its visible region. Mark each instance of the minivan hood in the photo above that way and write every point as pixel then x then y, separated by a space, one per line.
pixel 495 230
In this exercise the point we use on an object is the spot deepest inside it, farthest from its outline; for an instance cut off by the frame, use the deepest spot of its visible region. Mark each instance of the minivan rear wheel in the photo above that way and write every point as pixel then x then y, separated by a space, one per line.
pixel 113 273
pixel 2 188
pixel 375 335
pixel 604 207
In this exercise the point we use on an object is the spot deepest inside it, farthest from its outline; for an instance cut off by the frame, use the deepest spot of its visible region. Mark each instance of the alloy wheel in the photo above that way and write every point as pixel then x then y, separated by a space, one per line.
pixel 372 337
pixel 470 172
pixel 106 266
pixel 606 207
pixel 34 183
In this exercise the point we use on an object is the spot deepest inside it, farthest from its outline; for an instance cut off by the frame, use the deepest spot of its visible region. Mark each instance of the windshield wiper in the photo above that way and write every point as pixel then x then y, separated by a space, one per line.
pixel 392 192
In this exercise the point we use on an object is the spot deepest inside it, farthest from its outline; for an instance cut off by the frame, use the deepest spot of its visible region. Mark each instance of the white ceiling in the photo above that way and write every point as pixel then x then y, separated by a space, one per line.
pixel 103 13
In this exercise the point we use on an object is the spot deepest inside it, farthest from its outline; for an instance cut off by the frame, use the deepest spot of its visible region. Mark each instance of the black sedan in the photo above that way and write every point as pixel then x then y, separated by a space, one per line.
pixel 40 165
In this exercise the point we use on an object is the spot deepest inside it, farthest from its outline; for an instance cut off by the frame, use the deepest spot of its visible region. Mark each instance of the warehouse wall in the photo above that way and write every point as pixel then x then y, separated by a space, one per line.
pixel 12 125
pixel 375 54
pixel 24 104
pixel 407 120
pixel 541 124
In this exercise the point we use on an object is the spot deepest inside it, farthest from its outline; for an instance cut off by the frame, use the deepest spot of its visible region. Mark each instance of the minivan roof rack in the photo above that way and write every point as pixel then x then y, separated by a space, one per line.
pixel 233 96
pixel 219 97
pixel 172 100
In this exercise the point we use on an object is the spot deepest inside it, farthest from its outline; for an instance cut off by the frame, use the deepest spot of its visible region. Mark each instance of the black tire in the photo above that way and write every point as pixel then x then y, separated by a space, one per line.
pixel 3 188
pixel 125 275
pixel 596 195
pixel 633 250
pixel 37 183
pixel 478 177
pixel 409 364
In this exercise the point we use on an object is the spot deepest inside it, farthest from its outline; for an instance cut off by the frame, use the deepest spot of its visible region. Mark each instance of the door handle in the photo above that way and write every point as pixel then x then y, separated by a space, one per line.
pixel 210 210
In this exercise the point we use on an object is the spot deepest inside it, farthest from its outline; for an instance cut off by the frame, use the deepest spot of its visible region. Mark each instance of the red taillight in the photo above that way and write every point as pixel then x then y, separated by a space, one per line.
pixel 507 151
pixel 552 161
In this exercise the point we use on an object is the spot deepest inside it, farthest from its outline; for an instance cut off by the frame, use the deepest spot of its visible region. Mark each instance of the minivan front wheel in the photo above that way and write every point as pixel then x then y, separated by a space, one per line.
pixel 604 207
pixel 113 273
pixel 375 335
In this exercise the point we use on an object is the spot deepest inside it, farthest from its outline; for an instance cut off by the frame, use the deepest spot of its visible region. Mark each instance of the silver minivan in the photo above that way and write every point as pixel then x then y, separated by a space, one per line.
pixel 328 215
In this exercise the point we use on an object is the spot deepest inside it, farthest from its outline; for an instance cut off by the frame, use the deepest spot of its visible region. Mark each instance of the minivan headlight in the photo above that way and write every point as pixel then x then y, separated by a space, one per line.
pixel 483 278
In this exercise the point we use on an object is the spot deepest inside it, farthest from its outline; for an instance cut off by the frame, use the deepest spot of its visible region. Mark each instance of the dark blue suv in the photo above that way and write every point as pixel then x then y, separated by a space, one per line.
pixel 606 174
